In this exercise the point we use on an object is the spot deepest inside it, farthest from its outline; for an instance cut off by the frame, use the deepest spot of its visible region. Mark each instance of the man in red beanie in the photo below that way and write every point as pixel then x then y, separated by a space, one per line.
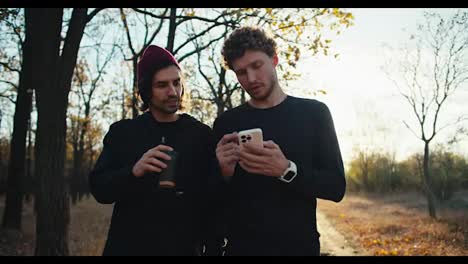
pixel 158 169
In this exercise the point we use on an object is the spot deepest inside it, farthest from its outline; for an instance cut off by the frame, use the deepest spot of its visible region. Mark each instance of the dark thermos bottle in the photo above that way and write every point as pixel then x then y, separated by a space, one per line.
pixel 167 175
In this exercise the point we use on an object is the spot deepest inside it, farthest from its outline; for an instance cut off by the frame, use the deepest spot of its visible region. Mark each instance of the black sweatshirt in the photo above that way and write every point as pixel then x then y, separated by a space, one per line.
pixel 266 216
pixel 146 219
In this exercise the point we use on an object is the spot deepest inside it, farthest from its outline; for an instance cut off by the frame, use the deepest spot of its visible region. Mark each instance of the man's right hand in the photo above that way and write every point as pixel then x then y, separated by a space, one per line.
pixel 227 153
pixel 151 161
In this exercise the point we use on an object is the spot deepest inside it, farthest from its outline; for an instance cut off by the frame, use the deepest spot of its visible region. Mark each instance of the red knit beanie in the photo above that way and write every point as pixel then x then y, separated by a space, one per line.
pixel 153 57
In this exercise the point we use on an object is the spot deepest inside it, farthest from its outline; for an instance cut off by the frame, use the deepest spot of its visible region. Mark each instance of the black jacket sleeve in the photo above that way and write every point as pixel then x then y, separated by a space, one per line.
pixel 324 178
pixel 109 180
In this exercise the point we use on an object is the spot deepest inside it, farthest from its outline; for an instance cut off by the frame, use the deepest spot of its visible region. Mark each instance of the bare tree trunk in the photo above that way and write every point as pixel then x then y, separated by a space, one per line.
pixel 29 181
pixel 135 88
pixel 220 107
pixel 74 183
pixel 431 200
pixel 124 105
pixel 78 179
pixel 365 179
pixel 243 99
pixel 52 205
pixel 82 171
pixel 53 80
pixel 364 160
pixel 172 30
pixel 16 171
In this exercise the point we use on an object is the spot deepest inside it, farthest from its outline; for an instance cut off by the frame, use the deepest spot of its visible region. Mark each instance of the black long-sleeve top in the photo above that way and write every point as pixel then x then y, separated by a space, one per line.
pixel 146 219
pixel 265 215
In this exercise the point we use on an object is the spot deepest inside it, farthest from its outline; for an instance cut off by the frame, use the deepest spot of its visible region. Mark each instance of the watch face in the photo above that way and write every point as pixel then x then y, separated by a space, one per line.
pixel 289 175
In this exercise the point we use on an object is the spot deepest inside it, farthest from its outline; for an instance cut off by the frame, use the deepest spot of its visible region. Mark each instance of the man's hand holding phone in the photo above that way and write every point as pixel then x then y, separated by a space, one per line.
pixel 227 153
pixel 260 157
pixel 268 161
pixel 253 154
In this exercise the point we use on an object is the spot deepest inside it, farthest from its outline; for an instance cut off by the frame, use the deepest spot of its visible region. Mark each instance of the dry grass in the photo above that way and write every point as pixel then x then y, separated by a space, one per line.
pixel 87 230
pixel 391 225
pixel 399 224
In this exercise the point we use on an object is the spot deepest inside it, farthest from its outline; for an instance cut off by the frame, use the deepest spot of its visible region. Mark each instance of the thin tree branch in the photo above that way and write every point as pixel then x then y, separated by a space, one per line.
pixel 414 133
pixel 181 17
pixel 7 66
pixel 123 17
pixel 9 97
pixel 10 83
pixel 459 120
pixel 93 13
pixel 201 70
pixel 197 36
pixel 199 49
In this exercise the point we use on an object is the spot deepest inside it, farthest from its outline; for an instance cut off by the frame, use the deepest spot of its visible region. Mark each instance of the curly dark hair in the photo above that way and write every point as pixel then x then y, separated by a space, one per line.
pixel 246 38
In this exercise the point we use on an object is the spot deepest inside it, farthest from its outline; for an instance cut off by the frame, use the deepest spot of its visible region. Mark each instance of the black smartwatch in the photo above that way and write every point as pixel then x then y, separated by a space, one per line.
pixel 290 173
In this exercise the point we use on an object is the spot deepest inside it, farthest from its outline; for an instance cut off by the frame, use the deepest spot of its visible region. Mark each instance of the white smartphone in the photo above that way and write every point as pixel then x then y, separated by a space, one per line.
pixel 251 136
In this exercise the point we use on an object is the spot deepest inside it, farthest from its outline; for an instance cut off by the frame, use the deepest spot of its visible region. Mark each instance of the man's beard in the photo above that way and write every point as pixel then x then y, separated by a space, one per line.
pixel 268 92
pixel 165 108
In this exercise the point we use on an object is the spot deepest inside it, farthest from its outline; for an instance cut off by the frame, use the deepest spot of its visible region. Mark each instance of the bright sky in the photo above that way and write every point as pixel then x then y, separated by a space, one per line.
pixel 367 109
pixel 366 106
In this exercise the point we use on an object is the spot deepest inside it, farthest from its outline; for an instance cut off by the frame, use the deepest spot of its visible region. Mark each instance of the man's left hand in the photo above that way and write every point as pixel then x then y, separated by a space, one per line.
pixel 268 161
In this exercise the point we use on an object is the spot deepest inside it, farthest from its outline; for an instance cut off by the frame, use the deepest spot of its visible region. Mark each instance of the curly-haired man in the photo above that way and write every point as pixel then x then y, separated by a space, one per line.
pixel 271 191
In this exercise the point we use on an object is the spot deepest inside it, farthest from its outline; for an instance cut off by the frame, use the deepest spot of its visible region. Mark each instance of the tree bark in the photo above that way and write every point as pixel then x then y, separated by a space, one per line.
pixel 16 166
pixel 135 87
pixel 78 177
pixel 172 30
pixel 431 200
pixel 53 81
pixel 29 180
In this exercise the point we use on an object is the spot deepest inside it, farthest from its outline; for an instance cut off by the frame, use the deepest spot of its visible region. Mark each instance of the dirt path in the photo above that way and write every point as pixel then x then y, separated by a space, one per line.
pixel 332 243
